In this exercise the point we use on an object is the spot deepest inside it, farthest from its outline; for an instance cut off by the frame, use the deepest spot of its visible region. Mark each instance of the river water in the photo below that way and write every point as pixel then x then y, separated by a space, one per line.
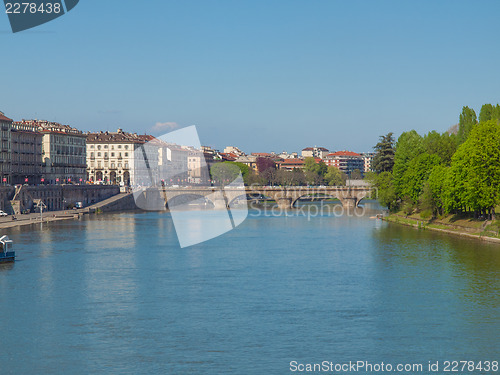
pixel 114 294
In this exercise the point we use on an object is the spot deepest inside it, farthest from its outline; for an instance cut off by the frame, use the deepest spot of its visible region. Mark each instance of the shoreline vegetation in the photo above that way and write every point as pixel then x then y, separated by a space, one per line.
pixel 444 181
pixel 483 230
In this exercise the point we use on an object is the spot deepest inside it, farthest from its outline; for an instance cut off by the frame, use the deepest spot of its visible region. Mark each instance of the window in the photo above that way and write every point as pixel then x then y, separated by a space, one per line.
pixel 112 154
pixel 99 154
pixel 99 147
pixel 126 154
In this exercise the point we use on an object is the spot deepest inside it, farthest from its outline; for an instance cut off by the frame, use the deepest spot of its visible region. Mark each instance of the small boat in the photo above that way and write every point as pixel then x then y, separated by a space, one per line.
pixel 6 252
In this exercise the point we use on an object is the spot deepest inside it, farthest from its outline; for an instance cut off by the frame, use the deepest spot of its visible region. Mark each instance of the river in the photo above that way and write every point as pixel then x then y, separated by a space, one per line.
pixel 114 294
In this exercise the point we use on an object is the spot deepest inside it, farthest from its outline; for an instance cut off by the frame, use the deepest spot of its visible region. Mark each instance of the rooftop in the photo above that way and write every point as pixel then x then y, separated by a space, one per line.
pixel 344 153
pixel 45 126
pixel 4 118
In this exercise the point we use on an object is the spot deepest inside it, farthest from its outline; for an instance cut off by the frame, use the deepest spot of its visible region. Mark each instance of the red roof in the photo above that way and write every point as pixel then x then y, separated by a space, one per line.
pixel 228 156
pixel 344 153
pixel 263 154
pixel 292 161
pixel 4 118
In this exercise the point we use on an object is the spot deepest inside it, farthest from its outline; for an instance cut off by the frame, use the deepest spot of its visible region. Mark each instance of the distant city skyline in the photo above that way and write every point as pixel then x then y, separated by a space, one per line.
pixel 261 75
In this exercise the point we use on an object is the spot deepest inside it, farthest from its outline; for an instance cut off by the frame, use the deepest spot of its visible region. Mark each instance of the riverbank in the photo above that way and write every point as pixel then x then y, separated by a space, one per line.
pixel 117 203
pixel 33 218
pixel 482 230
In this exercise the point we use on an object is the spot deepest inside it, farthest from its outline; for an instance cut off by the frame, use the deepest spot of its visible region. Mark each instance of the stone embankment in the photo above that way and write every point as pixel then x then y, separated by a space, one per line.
pixel 119 202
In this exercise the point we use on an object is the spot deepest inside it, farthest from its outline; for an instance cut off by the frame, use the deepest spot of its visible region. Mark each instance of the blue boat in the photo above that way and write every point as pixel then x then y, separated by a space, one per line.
pixel 7 254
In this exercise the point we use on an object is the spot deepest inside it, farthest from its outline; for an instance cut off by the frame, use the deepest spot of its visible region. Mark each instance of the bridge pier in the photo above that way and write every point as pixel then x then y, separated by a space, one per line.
pixel 349 202
pixel 220 204
pixel 284 203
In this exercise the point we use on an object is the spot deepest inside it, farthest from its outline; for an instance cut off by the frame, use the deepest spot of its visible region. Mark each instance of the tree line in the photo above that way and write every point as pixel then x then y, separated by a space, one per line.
pixel 313 173
pixel 457 171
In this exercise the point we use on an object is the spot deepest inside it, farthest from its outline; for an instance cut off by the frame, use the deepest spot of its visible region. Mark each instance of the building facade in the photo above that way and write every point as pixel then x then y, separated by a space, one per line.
pixel 5 149
pixel 345 161
pixel 233 150
pixel 111 157
pixel 26 154
pixel 174 164
pixel 314 152
pixel 63 151
pixel 290 164
pixel 368 159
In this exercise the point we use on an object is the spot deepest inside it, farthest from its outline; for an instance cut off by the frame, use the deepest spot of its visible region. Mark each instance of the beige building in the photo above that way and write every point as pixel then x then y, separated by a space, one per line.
pixel 26 154
pixel 198 170
pixel 111 158
pixel 250 161
pixel 63 151
pixel 368 158
pixel 5 149
pixel 315 152
pixel 233 150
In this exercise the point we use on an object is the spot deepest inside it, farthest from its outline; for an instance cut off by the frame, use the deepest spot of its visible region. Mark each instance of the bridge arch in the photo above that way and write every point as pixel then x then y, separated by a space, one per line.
pixel 306 194
pixel 187 198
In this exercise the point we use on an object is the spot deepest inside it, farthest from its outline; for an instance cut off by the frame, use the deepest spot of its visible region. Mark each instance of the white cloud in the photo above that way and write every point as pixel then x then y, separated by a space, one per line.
pixel 164 126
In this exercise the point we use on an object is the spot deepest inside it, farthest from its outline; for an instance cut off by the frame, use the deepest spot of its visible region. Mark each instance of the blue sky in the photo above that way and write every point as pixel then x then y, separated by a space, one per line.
pixel 261 75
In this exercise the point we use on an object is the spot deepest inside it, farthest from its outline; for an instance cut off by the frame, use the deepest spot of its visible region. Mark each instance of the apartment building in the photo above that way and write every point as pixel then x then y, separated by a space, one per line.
pixel 26 157
pixel 314 152
pixel 345 161
pixel 5 148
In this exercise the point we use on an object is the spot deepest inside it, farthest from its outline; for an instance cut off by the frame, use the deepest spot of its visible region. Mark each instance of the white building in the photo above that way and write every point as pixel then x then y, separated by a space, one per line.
pixel 233 150
pixel 368 158
pixel 111 157
pixel 315 152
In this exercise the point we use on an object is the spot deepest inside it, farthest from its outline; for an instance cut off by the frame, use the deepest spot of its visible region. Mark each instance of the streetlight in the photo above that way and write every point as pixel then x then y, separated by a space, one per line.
pixel 41 205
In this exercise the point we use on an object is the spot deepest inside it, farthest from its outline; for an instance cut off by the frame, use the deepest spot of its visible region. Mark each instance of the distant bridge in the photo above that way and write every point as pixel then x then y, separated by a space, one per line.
pixel 285 197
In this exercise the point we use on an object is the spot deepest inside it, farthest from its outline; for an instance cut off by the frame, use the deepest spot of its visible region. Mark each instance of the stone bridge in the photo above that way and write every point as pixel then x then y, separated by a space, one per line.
pixel 285 197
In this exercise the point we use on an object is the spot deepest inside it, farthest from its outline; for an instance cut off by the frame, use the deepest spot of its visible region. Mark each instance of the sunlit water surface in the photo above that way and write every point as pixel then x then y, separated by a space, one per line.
pixel 114 294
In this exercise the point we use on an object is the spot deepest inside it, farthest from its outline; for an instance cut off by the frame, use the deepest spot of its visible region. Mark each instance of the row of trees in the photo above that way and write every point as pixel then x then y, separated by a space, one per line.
pixel 454 172
pixel 313 173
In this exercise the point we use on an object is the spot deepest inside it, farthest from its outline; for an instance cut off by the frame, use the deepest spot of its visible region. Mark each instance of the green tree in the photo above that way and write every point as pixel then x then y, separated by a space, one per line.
pixel 333 176
pixel 314 172
pixel 409 146
pixel 224 173
pixel 496 112
pixel 443 145
pixel 487 113
pixel 383 161
pixel 386 193
pixel 475 170
pixel 356 175
pixel 416 175
pixel 467 121
pixel 310 165
pixel 245 170
pixel 432 198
